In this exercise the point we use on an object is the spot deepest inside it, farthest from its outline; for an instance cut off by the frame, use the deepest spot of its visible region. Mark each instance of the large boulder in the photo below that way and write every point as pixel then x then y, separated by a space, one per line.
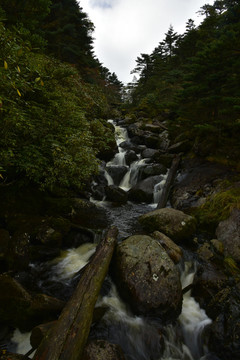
pixel 143 191
pixel 116 172
pixel 208 281
pixel 224 332
pixel 228 232
pixel 173 223
pixel 152 170
pixel 102 350
pixel 147 278
pixel 116 194
pixel 19 308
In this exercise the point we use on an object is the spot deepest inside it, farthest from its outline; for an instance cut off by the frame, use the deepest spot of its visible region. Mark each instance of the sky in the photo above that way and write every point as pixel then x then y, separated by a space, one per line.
pixel 126 28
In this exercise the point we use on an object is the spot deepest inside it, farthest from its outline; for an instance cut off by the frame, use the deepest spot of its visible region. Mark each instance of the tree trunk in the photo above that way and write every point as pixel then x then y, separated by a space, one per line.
pixel 170 179
pixel 66 340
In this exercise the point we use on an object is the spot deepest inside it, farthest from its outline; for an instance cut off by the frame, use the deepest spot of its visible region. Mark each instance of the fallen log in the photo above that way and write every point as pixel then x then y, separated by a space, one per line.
pixel 67 338
pixel 170 179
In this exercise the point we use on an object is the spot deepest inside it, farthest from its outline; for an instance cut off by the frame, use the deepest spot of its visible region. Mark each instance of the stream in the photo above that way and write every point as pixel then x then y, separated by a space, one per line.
pixel 139 337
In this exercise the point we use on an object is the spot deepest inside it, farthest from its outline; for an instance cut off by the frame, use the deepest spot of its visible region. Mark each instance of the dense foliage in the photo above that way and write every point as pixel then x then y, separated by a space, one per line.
pixel 196 76
pixel 50 118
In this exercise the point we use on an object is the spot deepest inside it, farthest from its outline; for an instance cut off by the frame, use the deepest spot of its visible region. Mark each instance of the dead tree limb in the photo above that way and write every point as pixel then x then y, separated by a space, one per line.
pixel 170 179
pixel 67 338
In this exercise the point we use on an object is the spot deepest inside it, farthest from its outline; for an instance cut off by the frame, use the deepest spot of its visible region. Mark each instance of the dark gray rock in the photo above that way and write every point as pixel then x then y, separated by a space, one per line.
pixel 143 191
pixel 117 172
pixel 152 170
pixel 130 156
pixel 147 278
pixel 115 194
pixel 224 332
pixel 173 223
pixel 149 153
pixel 228 232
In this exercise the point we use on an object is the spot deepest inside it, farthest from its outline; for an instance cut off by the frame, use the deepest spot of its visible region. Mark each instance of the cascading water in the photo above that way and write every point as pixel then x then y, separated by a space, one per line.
pixel 140 338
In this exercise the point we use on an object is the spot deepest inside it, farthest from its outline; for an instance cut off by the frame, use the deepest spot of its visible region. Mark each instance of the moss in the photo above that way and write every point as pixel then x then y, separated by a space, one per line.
pixel 218 206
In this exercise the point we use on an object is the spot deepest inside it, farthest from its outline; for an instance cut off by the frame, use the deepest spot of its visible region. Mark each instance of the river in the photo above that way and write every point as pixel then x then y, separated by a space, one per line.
pixel 140 338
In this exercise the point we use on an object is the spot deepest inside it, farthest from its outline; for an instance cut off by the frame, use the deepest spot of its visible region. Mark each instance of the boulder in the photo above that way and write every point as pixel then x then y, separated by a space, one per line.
pixel 173 251
pixel 147 278
pixel 224 332
pixel 19 308
pixel 143 191
pixel 117 172
pixel 195 183
pixel 130 156
pixel 135 130
pixel 165 159
pixel 115 194
pixel 88 215
pixel 151 140
pixel 173 223
pixel 208 281
pixel 228 232
pixel 149 153
pixel 102 350
pixel 152 170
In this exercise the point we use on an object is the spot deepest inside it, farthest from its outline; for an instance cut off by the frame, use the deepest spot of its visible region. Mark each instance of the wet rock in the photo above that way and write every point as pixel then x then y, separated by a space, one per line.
pixel 208 281
pixel 224 332
pixel 228 232
pixel 115 194
pixel 147 278
pixel 20 309
pixel 88 215
pixel 98 192
pixel 152 170
pixel 117 173
pixel 196 182
pixel 151 140
pixel 130 156
pixel 143 191
pixel 173 251
pixel 165 159
pixel 135 130
pixel 149 153
pixel 164 141
pixel 173 223
pixel 102 350
pixel 43 253
pixel 49 236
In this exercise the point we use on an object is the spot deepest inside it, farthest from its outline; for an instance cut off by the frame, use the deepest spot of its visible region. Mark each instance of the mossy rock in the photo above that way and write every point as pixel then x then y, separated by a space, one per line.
pixel 173 223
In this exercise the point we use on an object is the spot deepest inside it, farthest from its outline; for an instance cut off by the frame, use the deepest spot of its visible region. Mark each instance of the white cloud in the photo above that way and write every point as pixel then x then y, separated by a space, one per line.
pixel 126 28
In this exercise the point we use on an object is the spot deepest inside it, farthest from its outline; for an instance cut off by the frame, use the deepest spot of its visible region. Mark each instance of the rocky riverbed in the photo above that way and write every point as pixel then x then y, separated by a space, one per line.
pixel 154 244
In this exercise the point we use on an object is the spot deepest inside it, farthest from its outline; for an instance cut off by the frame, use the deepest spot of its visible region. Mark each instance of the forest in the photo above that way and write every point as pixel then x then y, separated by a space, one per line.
pixel 120 204
pixel 55 94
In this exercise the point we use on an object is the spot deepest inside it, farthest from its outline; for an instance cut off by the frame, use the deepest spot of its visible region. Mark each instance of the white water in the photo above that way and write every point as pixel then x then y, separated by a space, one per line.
pixel 20 343
pixel 131 177
pixel 71 261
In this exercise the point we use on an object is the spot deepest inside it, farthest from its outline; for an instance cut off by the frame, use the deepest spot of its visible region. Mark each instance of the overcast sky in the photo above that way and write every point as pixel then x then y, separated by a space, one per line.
pixel 126 28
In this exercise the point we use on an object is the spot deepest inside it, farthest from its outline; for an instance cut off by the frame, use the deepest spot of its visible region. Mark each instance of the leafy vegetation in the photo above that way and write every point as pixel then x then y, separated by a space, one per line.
pixel 50 117
pixel 196 77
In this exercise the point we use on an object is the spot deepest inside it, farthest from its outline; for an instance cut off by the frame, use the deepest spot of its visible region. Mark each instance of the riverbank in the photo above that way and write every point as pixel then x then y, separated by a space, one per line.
pixel 36 226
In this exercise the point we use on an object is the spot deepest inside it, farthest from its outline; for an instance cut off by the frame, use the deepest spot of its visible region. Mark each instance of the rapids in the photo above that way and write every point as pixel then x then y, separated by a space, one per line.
pixel 140 338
